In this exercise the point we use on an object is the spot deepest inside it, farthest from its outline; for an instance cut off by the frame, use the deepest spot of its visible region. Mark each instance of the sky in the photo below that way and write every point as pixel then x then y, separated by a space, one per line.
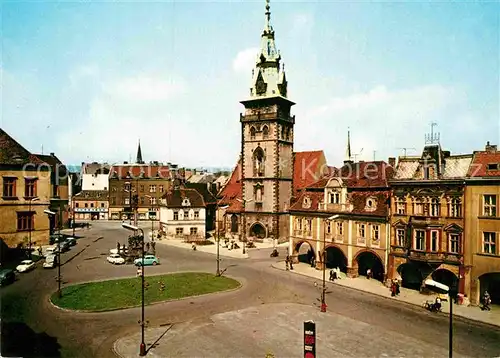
pixel 88 80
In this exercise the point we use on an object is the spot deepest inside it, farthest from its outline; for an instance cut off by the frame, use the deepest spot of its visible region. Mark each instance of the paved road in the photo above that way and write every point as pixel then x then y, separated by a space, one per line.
pixel 90 335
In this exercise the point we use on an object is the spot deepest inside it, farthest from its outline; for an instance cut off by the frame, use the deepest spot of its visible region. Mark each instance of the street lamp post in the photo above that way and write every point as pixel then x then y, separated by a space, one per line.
pixel 244 231
pixel 53 214
pixel 323 292
pixel 440 288
pixel 73 216
pixel 30 226
pixel 217 273
pixel 142 347
pixel 152 225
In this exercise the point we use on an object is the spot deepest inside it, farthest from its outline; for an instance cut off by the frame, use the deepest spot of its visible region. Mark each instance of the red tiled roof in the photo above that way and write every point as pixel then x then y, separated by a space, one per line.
pixel 315 197
pixel 308 167
pixel 134 171
pixel 233 188
pixel 13 153
pixel 359 200
pixel 176 197
pixel 479 165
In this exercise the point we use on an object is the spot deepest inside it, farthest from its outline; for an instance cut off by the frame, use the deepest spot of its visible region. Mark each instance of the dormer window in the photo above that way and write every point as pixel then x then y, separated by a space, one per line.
pixel 334 198
pixel 371 204
pixel 492 166
pixel 185 202
pixel 306 203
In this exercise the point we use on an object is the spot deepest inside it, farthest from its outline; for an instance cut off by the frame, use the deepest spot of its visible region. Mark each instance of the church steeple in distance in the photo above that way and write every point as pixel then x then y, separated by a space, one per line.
pixel 268 76
pixel 348 154
pixel 139 154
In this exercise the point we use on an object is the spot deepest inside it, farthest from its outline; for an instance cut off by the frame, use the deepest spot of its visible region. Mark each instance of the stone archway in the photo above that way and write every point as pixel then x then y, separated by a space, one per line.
pixel 411 276
pixel 365 260
pixel 490 282
pixel 445 277
pixel 304 253
pixel 258 230
pixel 335 257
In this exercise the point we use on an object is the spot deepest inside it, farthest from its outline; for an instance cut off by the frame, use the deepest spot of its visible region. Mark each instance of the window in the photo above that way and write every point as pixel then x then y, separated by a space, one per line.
pixel 153 201
pixel 419 207
pixel 113 201
pixel 334 198
pixel 86 205
pixel 91 205
pixel 435 207
pixel 186 215
pixel 30 188
pixel 340 228
pixel 179 230
pixel 152 188
pixel 78 204
pixel 234 223
pixel 252 132
pixel 490 243
pixel 127 201
pixel 258 162
pixel 454 243
pixel 400 236
pixel 160 188
pixel 142 188
pixel 127 186
pixel 375 232
pixel 142 200
pixel 9 187
pixel 265 132
pixel 361 230
pixel 400 206
pixel 434 241
pixel 419 240
pixel 196 215
pixel 456 207
pixel 193 231
pixel 176 215
pixel 25 221
pixel 490 205
pixel 426 172
pixel 492 166
pixel 102 205
pixel 328 227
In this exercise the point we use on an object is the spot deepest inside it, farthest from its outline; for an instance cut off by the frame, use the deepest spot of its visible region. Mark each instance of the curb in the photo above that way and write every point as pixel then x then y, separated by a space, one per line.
pixel 240 285
pixel 210 253
pixel 389 298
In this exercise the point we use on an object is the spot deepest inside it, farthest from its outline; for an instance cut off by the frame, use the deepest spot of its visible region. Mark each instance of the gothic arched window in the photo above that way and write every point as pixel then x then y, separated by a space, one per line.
pixel 252 132
pixel 265 132
pixel 258 162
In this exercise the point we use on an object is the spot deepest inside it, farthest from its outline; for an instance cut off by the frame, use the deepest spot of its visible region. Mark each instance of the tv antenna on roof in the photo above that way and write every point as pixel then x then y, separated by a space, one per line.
pixel 404 149
pixel 357 155
pixel 432 138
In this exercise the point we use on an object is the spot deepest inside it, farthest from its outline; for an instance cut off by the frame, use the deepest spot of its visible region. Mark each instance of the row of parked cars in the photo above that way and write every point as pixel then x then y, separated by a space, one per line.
pixel 116 258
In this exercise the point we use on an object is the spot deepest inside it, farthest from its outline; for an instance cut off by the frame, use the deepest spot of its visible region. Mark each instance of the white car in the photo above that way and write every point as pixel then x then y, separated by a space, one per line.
pixel 50 261
pixel 115 259
pixel 25 265
pixel 51 250
pixel 115 251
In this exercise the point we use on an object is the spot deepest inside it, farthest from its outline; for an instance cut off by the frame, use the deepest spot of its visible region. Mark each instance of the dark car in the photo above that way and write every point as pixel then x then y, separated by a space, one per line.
pixel 7 277
pixel 55 237
pixel 71 241
pixel 64 246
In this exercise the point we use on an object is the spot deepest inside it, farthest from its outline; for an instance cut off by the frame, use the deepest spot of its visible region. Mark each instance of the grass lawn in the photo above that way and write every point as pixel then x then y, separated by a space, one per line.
pixel 108 295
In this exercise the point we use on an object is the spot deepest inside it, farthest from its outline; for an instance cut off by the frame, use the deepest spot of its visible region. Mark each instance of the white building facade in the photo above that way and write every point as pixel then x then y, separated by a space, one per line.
pixel 183 214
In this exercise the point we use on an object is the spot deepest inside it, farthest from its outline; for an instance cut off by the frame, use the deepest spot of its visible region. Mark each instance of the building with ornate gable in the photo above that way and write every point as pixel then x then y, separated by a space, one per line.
pixel 357 239
pixel 428 218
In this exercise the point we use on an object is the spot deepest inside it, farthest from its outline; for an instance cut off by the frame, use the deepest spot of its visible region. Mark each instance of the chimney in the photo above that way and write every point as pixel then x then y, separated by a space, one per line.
pixel 52 154
pixel 392 161
pixel 490 148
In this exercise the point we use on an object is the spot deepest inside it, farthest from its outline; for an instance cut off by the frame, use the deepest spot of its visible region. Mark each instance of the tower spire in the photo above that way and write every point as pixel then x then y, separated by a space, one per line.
pixel 139 154
pixel 348 154
pixel 268 16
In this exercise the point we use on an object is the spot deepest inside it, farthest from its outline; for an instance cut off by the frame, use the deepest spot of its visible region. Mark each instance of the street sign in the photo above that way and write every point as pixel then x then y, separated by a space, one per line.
pixel 309 339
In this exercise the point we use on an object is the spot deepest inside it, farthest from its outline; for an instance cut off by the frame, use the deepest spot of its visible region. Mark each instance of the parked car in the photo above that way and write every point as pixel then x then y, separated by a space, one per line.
pixel 64 246
pixel 71 241
pixel 56 237
pixel 123 250
pixel 7 276
pixel 51 250
pixel 25 265
pixel 115 259
pixel 148 260
pixel 50 261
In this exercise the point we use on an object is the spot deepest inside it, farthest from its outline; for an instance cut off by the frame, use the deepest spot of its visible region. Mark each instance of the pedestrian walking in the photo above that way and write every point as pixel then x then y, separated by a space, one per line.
pixel 287 261
pixel 291 263
pixel 368 274
pixel 486 301
pixel 393 289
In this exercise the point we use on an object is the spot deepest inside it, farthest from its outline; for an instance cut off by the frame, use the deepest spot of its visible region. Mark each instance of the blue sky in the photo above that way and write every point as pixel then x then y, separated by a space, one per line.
pixel 88 80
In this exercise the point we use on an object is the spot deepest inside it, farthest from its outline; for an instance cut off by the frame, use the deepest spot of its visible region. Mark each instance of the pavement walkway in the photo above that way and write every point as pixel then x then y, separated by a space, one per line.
pixel 223 251
pixel 409 296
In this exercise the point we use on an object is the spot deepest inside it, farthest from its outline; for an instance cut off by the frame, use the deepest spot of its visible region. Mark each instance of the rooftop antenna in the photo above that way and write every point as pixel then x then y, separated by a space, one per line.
pixel 357 155
pixel 432 138
pixel 374 154
pixel 404 149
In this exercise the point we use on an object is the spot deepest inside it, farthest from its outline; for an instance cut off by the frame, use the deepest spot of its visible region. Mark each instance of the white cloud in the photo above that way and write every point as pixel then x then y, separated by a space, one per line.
pixel 143 88
pixel 83 72
pixel 380 120
pixel 245 60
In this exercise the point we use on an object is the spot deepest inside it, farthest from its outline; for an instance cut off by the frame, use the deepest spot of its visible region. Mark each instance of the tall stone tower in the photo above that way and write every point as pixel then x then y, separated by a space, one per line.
pixel 267 144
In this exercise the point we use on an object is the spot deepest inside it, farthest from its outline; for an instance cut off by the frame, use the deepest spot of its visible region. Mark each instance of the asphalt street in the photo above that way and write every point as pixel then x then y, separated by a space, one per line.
pixel 25 304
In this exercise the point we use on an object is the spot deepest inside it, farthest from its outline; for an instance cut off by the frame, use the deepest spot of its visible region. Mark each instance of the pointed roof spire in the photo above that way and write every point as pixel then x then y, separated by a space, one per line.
pixel 268 17
pixel 348 154
pixel 139 154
